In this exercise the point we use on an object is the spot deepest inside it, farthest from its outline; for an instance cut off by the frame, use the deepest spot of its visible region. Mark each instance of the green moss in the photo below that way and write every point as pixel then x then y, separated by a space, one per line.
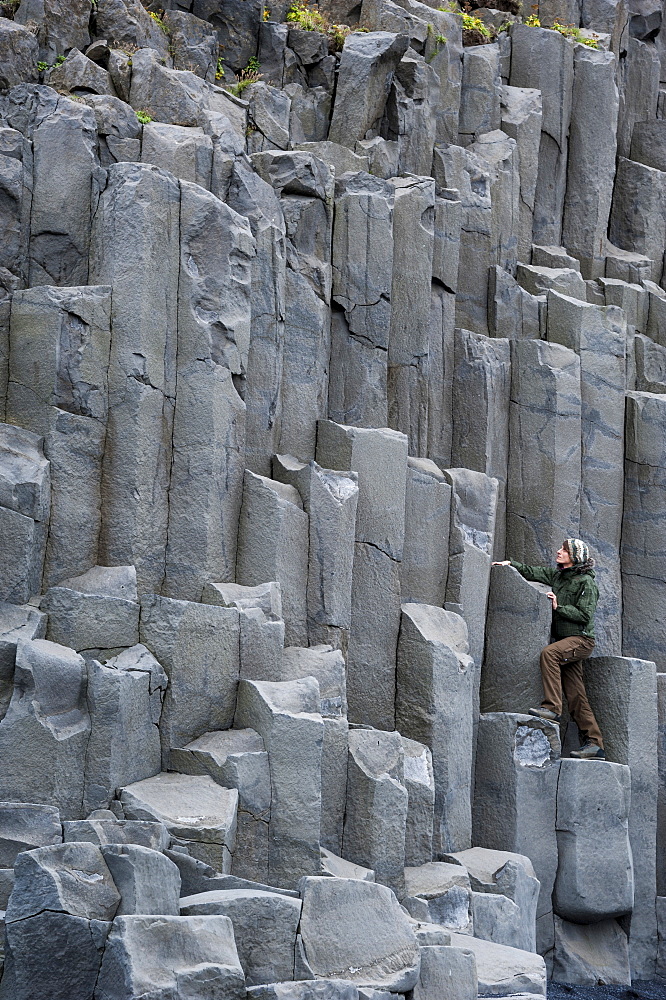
pixel 144 117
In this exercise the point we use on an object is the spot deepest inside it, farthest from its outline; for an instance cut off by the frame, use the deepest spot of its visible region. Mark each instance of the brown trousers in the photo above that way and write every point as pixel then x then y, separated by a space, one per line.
pixel 562 667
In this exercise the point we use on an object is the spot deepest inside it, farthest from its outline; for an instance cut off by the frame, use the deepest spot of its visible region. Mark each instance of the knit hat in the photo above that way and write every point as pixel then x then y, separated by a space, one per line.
pixel 578 550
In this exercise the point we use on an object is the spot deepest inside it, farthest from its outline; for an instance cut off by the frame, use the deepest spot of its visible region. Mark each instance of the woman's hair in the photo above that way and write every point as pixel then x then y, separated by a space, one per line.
pixel 580 554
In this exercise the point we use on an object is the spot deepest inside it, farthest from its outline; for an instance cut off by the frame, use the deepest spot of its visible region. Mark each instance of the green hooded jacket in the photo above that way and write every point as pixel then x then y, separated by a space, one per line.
pixel 577 595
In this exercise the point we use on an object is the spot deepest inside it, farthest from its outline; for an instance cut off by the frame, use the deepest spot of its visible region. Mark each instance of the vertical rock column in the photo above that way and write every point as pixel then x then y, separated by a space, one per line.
pixel 362 256
pixel 380 459
pixel 517 770
pixel 305 186
pixel 408 347
pixel 521 120
pixel 543 493
pixel 217 251
pixel 473 511
pixel 135 249
pixel 59 364
pixel 481 399
pixel 644 529
pixel 592 148
pixel 598 335
pixel 252 197
pixel 623 696
pixel 543 60
pixel 330 500
pixel 435 705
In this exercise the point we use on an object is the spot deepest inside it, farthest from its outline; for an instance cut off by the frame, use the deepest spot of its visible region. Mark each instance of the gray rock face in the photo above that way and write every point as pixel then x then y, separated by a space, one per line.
pixel 592 147
pixel 25 497
pixel 480 94
pixel 58 388
pixel 125 701
pixel 20 51
pixel 517 769
pixel 286 716
pixel 434 705
pixel 368 63
pixel 236 26
pixel 520 609
pixel 197 644
pixel 16 622
pixel 639 192
pixel 446 972
pixel 264 923
pixel 362 262
pixel 374 830
pixel 78 75
pixel 161 955
pixel 375 944
pixel 481 397
pixel 273 527
pixel 127 22
pixel 595 874
pixel 146 880
pixel 24 826
pixel 195 44
pixel 543 60
pixel 628 720
pixel 408 347
pixel 500 968
pixel 545 392
pixel 424 567
pixel 598 335
pixel 330 500
pixel 521 117
pixel 473 513
pixel 642 635
pixel 145 833
pixel 90 621
pixel 440 892
pixel 128 231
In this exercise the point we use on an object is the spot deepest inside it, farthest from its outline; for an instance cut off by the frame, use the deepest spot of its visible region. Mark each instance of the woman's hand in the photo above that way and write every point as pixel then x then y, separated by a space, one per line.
pixel 505 562
pixel 553 599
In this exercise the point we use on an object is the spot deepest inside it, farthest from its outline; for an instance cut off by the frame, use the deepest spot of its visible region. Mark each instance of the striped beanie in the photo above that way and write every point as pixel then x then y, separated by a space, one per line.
pixel 579 551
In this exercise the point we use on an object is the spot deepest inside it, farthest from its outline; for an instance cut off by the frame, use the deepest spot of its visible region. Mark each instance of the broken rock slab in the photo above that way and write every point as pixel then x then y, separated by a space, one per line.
pixel 98 610
pixel 147 881
pixel 372 944
pixel 195 810
pixel 273 545
pixel 440 893
pixel 45 733
pixel 198 647
pixel 503 971
pixel 265 925
pixel 103 831
pixel 17 622
pixel 25 826
pixel 367 65
pixel 236 758
pixel 160 956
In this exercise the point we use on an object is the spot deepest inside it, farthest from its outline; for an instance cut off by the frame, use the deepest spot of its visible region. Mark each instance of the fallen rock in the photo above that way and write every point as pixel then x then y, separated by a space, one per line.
pixel 161 957
pixel 502 971
pixel 194 809
pixel 265 925
pixel 372 942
